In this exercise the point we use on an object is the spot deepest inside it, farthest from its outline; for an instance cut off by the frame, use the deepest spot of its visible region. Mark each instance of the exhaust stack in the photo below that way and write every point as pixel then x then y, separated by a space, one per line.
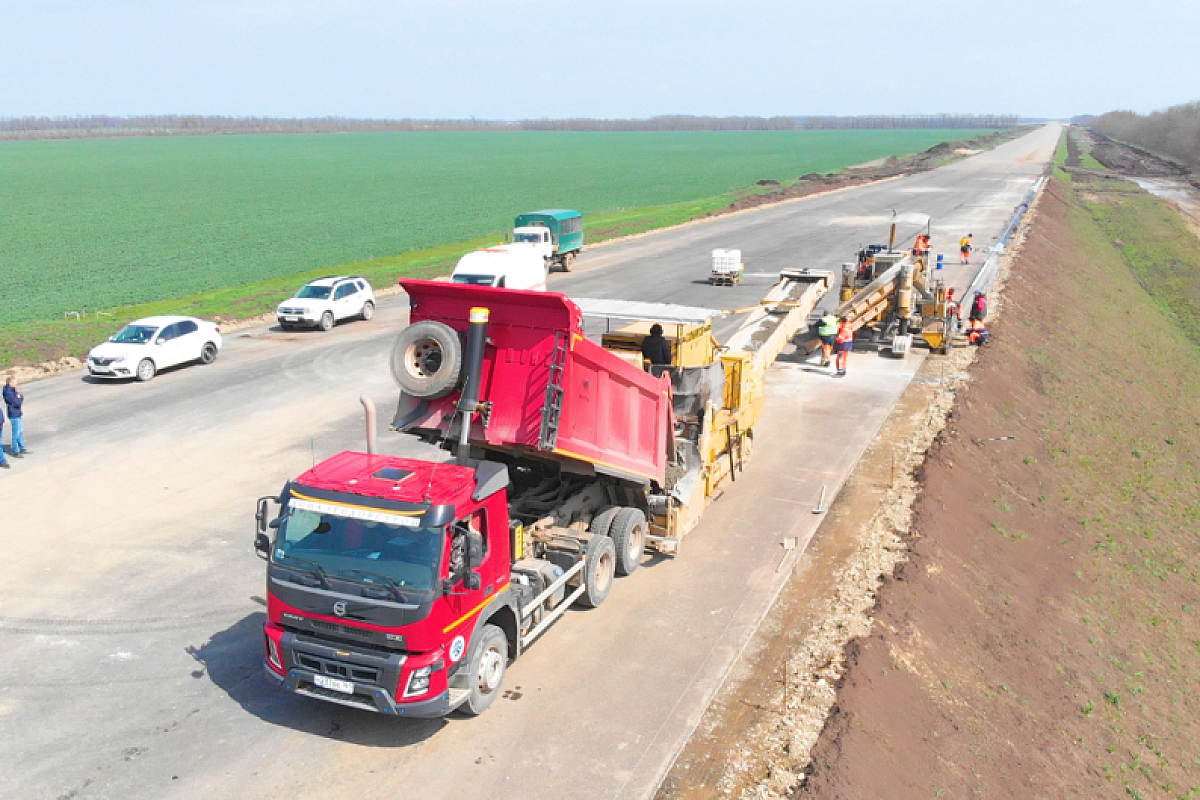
pixel 369 409
pixel 468 402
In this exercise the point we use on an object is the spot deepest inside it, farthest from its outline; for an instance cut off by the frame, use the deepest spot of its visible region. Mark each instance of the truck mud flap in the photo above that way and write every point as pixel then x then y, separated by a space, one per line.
pixel 409 409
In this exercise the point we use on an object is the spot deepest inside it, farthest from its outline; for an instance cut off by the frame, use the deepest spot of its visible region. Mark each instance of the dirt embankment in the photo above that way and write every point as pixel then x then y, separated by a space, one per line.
pixel 1130 160
pixel 891 167
pixel 1043 638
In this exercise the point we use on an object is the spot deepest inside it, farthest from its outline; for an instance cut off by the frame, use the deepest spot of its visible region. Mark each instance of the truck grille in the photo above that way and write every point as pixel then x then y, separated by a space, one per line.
pixel 337 668
pixel 343 630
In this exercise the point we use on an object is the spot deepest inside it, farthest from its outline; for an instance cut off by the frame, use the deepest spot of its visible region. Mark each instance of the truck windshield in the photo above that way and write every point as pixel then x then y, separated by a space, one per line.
pixel 411 557
pixel 527 237
pixel 474 280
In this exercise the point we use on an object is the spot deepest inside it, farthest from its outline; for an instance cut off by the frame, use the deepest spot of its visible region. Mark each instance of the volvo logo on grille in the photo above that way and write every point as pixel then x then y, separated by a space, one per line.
pixel 339 608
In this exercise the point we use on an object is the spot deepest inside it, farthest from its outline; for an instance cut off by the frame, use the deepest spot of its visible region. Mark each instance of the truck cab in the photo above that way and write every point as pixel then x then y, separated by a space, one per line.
pixel 559 230
pixel 380 570
pixel 520 265
pixel 536 235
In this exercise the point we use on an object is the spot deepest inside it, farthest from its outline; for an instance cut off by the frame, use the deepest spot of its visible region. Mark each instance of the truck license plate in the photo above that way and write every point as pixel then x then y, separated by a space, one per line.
pixel 325 682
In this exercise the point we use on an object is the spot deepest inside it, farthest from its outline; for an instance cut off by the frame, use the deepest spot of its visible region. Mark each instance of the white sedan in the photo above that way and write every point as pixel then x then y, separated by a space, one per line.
pixel 145 346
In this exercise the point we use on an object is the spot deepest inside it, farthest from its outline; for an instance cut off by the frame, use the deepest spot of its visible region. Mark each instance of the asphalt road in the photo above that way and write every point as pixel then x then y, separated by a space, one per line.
pixel 132 608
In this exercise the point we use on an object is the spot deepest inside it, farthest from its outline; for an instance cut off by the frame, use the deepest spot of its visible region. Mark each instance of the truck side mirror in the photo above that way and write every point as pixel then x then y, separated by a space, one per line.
pixel 473 581
pixel 262 545
pixel 260 514
pixel 474 550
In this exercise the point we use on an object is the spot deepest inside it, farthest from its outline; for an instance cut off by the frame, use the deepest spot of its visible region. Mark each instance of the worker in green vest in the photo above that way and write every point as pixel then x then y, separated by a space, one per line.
pixel 827 329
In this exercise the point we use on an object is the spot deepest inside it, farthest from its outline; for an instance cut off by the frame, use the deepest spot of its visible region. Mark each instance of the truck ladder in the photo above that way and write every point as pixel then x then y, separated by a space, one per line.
pixel 733 435
pixel 552 408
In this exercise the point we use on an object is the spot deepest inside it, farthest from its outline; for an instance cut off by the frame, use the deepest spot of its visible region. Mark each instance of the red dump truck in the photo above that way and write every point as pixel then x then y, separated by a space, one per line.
pixel 406 586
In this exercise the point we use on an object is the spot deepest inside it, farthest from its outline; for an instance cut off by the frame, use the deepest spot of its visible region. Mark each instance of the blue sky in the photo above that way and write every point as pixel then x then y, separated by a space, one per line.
pixel 529 59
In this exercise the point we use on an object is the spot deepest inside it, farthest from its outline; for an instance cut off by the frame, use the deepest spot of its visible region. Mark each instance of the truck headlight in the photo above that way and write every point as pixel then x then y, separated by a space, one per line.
pixel 273 654
pixel 418 681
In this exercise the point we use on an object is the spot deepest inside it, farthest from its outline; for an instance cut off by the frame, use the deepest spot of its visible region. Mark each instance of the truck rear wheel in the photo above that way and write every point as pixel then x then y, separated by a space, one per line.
pixel 628 534
pixel 602 522
pixel 427 359
pixel 486 670
pixel 599 571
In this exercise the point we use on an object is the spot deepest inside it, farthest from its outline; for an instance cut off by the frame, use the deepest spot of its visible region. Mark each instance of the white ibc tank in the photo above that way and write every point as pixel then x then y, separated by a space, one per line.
pixel 726 261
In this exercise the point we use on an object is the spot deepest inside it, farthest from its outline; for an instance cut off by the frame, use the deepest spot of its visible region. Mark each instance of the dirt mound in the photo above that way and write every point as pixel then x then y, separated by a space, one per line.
pixel 813 182
pixel 1042 639
pixel 1129 160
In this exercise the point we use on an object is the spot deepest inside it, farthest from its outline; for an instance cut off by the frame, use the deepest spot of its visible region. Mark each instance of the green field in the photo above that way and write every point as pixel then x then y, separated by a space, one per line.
pixel 95 224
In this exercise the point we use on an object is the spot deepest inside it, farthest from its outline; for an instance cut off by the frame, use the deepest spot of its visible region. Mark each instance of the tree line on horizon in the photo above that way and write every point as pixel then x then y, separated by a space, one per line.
pixel 183 124
pixel 1174 132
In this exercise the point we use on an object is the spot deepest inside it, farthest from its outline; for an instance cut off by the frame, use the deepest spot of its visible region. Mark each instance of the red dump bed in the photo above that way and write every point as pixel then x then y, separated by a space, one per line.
pixel 613 415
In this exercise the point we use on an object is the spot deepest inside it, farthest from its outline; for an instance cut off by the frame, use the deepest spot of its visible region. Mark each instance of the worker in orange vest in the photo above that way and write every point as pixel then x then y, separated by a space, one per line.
pixel 844 343
pixel 921 245
pixel 964 248
pixel 977 334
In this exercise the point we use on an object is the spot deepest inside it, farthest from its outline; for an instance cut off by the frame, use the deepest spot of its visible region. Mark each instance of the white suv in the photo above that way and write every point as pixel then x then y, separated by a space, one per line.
pixel 325 302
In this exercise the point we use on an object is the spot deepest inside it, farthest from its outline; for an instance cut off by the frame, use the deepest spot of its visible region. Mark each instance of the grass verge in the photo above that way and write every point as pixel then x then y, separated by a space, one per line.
pixel 1156 244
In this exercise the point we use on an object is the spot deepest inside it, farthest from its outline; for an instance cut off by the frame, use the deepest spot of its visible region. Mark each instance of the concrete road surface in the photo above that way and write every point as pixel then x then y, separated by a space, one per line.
pixel 132 605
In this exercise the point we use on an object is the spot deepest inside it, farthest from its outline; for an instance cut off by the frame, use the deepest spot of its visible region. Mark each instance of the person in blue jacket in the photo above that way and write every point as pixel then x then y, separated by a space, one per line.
pixel 3 460
pixel 16 416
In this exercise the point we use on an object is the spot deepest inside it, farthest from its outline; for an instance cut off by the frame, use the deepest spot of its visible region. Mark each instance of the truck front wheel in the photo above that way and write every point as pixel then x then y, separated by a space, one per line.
pixel 599 571
pixel 487 670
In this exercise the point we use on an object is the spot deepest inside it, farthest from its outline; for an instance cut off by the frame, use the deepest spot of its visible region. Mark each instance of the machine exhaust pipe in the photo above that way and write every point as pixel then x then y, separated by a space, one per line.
pixel 369 409
pixel 468 401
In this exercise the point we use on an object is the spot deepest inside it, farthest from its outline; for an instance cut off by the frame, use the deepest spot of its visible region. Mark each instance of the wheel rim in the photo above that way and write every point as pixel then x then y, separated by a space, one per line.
pixel 637 543
pixel 491 670
pixel 368 311
pixel 327 321
pixel 423 358
pixel 605 569
pixel 145 370
pixel 209 353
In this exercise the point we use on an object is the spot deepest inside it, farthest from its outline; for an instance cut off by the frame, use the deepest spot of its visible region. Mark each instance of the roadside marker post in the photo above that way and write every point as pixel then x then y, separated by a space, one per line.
pixel 820 509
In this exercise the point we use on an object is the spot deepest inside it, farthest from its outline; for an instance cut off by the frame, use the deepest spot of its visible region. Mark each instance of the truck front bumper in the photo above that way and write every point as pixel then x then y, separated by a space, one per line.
pixel 368 698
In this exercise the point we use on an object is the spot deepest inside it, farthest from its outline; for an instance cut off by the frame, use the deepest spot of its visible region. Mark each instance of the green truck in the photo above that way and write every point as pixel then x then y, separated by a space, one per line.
pixel 558 232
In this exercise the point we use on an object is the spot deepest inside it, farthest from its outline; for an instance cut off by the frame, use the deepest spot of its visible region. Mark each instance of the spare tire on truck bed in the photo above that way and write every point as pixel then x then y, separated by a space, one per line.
pixel 427 359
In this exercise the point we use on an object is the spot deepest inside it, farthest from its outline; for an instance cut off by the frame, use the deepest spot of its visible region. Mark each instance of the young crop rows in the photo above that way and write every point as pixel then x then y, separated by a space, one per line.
pixel 92 224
